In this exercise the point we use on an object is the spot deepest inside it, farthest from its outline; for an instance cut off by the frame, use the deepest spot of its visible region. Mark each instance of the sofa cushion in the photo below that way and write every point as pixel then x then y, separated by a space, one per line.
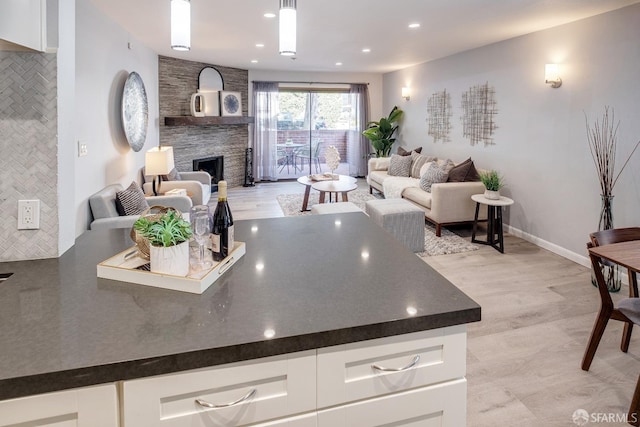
pixel 417 161
pixel 400 165
pixel 464 172
pixel 131 201
pixel 433 175
pixel 378 176
pixel 417 195
pixel 403 152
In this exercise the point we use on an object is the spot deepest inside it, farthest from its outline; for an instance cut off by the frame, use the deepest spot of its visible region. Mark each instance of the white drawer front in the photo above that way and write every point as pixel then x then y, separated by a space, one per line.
pixel 441 405
pixel 345 372
pixel 284 385
pixel 83 407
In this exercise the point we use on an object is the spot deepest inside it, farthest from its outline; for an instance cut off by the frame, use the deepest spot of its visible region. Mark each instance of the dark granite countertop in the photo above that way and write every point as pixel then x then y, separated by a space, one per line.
pixel 305 282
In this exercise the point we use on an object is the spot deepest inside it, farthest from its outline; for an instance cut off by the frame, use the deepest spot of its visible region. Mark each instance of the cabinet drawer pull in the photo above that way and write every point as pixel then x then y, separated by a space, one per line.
pixel 415 360
pixel 226 405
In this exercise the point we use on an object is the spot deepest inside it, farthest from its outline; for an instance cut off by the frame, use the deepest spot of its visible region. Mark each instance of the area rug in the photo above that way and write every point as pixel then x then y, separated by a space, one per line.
pixel 448 243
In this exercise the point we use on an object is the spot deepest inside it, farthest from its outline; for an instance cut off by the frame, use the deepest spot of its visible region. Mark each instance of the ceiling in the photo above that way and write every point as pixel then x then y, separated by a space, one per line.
pixel 330 31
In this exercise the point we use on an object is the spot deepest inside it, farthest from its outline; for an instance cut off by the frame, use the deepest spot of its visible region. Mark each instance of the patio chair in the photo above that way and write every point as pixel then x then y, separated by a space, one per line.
pixel 309 154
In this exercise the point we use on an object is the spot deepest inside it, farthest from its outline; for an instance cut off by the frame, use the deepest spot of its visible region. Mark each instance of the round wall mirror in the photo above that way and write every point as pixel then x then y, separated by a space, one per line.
pixel 210 79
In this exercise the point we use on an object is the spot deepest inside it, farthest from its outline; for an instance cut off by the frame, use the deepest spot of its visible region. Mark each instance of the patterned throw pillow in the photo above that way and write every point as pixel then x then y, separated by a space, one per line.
pixel 432 175
pixel 446 165
pixel 417 161
pixel 131 201
pixel 399 165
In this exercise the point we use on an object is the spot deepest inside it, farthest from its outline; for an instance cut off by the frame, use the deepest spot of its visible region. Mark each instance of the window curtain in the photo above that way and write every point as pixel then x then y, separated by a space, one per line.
pixel 265 136
pixel 358 147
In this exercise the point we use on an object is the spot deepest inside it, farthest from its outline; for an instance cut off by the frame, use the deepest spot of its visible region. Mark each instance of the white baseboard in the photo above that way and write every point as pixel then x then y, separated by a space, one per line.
pixel 577 258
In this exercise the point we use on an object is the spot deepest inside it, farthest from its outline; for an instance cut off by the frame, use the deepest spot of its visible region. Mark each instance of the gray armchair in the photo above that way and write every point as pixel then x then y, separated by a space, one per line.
pixel 197 184
pixel 105 214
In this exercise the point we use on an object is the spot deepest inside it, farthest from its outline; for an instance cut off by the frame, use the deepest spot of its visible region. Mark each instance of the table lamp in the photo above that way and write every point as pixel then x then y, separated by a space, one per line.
pixel 158 161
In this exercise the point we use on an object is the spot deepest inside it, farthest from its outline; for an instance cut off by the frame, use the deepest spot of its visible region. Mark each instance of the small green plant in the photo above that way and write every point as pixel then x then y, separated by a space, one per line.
pixel 380 133
pixel 168 230
pixel 492 180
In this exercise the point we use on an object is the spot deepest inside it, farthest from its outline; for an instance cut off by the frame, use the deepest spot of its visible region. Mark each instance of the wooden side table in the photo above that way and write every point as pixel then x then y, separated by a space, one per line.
pixel 494 220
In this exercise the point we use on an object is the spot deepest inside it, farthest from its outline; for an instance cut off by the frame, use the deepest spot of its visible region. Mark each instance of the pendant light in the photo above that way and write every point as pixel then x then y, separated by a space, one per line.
pixel 181 24
pixel 288 27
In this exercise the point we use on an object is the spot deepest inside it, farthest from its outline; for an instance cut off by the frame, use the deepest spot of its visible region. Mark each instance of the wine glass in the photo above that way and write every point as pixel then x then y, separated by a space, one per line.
pixel 200 224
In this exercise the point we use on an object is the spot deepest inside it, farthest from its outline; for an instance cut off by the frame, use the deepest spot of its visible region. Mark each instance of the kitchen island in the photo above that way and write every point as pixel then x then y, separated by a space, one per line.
pixel 305 284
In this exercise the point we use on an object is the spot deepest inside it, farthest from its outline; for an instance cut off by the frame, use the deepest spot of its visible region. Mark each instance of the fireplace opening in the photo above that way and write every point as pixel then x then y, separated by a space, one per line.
pixel 214 165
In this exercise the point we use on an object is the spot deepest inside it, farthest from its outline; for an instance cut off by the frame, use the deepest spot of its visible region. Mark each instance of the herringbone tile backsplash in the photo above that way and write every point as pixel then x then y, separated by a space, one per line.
pixel 28 152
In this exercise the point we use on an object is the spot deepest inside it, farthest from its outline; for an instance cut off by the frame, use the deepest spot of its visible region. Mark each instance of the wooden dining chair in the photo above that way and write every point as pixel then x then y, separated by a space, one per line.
pixel 626 309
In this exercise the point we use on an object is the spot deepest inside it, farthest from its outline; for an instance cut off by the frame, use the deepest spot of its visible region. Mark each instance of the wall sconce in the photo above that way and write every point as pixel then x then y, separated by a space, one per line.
pixel 287 27
pixel 552 75
pixel 406 93
pixel 181 24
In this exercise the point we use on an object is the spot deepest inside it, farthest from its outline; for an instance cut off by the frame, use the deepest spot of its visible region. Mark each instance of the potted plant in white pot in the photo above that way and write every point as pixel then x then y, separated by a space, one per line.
pixel 168 236
pixel 493 182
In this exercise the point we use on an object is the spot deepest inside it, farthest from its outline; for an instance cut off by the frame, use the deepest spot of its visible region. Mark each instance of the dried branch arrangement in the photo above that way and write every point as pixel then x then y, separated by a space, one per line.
pixel 603 139
pixel 438 116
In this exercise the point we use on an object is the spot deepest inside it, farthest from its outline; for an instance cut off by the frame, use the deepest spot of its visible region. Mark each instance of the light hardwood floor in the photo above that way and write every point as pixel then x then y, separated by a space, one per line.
pixel 537 312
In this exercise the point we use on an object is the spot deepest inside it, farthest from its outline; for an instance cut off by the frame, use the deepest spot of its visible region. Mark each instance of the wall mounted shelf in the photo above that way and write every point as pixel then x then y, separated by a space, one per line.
pixel 208 121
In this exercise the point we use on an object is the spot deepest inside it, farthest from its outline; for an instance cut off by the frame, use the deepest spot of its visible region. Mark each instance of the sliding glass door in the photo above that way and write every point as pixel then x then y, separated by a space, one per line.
pixel 294 127
pixel 309 122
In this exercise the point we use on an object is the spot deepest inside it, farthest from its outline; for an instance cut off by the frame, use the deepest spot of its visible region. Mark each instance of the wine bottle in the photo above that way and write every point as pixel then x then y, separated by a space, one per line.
pixel 222 226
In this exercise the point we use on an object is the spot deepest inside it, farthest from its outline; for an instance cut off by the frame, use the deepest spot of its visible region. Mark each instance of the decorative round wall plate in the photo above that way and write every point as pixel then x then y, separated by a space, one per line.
pixel 135 111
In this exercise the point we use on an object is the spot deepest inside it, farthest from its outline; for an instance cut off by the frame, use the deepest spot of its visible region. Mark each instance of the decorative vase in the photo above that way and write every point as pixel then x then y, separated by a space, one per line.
pixel 610 271
pixel 173 260
pixel 492 195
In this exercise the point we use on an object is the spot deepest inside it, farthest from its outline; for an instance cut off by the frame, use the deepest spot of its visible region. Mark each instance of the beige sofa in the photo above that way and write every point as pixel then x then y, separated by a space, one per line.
pixel 448 203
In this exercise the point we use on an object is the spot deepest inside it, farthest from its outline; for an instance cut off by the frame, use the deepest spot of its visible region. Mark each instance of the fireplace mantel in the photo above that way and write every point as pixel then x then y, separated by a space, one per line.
pixel 208 121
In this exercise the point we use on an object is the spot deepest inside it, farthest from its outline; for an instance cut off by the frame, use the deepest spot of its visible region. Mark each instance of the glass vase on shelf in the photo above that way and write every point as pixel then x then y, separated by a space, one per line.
pixel 610 271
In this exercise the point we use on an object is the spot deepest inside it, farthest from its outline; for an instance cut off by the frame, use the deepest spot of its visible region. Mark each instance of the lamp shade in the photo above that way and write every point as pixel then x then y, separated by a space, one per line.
pixel 287 27
pixel 159 161
pixel 551 72
pixel 181 24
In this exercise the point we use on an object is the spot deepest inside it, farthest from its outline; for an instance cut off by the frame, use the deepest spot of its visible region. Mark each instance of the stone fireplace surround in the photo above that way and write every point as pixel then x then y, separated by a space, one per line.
pixel 177 80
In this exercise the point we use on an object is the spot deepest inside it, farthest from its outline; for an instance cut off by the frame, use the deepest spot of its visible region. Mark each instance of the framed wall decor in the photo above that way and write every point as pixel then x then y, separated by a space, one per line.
pixel 230 103
pixel 135 111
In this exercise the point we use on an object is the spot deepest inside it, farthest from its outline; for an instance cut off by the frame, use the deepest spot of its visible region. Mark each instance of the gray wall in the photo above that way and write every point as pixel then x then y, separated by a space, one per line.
pixel 105 55
pixel 28 152
pixel 178 80
pixel 541 144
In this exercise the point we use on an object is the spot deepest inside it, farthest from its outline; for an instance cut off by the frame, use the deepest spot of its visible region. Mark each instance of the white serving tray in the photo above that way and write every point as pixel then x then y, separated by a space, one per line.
pixel 125 270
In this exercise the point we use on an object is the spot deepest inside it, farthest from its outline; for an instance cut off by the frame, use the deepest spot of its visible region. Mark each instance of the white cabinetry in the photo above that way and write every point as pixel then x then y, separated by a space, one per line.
pixel 84 407
pixel 228 395
pixel 31 24
pixel 414 379
pixel 406 380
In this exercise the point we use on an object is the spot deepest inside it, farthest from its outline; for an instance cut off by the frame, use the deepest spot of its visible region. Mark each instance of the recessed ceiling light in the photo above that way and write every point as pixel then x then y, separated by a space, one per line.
pixel 269 15
pixel 415 25
pixel 366 50
pixel 259 45
pixel 338 63
pixel 254 61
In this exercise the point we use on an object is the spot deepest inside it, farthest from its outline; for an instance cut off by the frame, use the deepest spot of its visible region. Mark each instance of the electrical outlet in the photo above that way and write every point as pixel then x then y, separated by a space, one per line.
pixel 28 214
pixel 82 149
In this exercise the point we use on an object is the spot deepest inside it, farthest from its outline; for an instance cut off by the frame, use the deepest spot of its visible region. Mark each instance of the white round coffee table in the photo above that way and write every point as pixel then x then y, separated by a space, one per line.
pixel 307 182
pixel 494 220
